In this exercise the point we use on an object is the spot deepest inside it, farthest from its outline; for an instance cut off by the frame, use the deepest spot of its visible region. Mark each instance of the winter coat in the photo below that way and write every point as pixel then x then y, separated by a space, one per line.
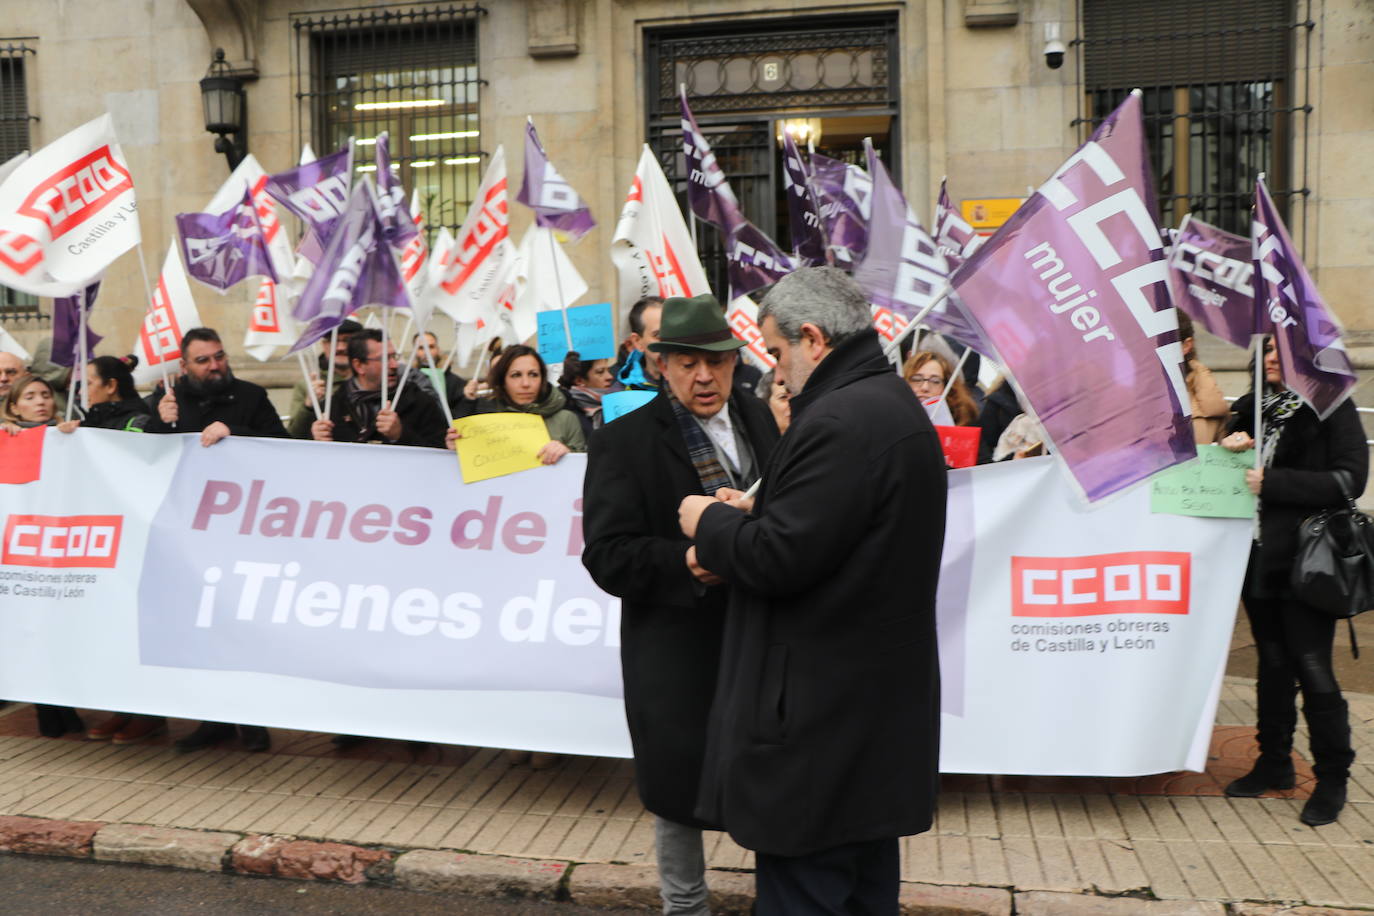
pixel 1300 481
pixel 1210 410
pixel 825 726
pixel 130 415
pixel 243 407
pixel 562 424
pixel 638 470
pixel 422 420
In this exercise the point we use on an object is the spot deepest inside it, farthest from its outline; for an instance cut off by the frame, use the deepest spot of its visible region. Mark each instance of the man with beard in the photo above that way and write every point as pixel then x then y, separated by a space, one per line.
pixel 357 413
pixel 207 399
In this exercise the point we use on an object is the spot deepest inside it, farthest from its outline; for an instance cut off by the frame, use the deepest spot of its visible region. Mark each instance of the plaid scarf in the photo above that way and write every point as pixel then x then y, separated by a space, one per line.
pixel 699 448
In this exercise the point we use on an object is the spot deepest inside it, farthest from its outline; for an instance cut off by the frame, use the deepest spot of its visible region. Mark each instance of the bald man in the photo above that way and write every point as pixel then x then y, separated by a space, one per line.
pixel 11 367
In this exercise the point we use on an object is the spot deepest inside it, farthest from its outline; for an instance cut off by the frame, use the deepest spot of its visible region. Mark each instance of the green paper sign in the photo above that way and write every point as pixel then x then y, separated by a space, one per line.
pixel 1213 486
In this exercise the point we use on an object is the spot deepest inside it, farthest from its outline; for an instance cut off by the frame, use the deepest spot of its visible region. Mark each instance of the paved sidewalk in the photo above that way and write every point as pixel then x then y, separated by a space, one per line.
pixel 1170 837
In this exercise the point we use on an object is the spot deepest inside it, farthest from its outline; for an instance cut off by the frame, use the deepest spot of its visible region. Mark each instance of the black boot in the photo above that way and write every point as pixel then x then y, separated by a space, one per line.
pixel 55 721
pixel 1328 721
pixel 206 734
pixel 1278 716
pixel 255 738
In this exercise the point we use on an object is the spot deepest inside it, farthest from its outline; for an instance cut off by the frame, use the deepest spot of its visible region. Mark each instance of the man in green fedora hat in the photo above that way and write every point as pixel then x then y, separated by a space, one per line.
pixel 697 436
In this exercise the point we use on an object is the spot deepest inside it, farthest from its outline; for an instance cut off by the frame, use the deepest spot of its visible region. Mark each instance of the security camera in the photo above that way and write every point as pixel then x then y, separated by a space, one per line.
pixel 1054 47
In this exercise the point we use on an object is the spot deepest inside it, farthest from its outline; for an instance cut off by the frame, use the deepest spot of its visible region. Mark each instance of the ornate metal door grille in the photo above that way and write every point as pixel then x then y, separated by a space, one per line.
pixel 14 139
pixel 740 79
pixel 412 72
pixel 1224 98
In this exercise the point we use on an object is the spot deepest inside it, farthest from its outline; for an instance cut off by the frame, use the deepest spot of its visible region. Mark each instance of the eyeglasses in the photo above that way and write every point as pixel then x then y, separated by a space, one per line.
pixel 202 360
pixel 926 380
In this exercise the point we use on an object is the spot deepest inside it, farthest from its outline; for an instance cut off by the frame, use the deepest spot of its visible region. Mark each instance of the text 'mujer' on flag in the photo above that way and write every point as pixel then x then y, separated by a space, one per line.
pixel 1075 294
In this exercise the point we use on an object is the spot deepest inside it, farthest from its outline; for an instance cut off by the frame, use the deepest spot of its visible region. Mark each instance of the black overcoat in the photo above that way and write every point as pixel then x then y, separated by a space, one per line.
pixel 825 728
pixel 243 407
pixel 638 472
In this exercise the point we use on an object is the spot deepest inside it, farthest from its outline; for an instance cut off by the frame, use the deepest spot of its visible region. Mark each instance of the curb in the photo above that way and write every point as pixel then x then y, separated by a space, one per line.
pixel 439 871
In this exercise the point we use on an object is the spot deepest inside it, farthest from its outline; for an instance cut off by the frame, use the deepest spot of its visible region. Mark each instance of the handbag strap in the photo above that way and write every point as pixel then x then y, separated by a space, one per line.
pixel 1354 646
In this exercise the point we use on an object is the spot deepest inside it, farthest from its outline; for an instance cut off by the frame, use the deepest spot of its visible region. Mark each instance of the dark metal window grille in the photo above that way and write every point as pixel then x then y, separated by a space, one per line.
pixel 742 79
pixel 14 139
pixel 412 72
pixel 1223 98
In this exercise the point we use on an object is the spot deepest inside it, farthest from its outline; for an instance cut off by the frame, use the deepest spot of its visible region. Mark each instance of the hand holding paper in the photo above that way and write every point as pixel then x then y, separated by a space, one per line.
pixel 493 444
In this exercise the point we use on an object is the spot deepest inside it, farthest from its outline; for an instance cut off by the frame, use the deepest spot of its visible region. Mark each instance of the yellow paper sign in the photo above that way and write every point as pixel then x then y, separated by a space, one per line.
pixel 493 444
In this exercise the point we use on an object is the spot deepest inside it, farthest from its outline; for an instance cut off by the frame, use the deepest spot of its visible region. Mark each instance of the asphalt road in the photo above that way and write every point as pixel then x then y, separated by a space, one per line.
pixel 36 886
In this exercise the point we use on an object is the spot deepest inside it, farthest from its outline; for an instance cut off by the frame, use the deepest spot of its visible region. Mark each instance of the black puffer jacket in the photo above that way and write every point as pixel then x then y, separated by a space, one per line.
pixel 243 407
pixel 130 415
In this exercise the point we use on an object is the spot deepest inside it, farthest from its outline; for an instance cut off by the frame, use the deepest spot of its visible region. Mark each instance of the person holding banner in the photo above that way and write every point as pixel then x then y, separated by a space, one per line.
pixel 208 399
pixel 699 435
pixel 823 746
pixel 115 403
pixel 358 413
pixel 31 402
pixel 519 382
pixel 1307 464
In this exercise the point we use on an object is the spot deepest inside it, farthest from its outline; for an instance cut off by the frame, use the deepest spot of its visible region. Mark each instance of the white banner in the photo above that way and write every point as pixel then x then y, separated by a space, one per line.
pixel 258 581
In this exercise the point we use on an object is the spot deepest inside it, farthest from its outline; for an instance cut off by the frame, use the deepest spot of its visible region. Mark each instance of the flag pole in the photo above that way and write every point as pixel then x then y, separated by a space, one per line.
pixel 1259 401
pixel 410 359
pixel 896 344
pixel 558 284
pixel 148 291
pixel 386 363
pixel 443 395
pixel 83 348
pixel 309 385
pixel 954 374
pixel 329 375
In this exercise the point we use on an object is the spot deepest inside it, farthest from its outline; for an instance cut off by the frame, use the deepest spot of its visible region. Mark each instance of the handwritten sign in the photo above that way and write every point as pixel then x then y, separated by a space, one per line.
pixel 619 403
pixel 493 444
pixel 1213 486
pixel 593 333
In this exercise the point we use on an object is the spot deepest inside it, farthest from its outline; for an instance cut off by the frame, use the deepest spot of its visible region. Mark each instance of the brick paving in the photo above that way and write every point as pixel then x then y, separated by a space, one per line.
pixel 1173 836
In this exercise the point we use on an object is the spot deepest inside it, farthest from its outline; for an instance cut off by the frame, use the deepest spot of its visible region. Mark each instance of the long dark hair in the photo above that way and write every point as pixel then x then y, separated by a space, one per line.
pixel 114 369
pixel 496 379
pixel 1250 366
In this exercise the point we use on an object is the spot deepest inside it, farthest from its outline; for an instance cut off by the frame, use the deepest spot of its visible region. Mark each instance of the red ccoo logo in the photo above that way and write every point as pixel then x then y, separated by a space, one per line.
pixel 78 192
pixel 60 542
pixel 1133 582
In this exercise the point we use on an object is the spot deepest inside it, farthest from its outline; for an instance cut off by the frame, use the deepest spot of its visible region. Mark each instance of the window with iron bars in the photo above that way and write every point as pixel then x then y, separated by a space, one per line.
pixel 410 72
pixel 14 139
pixel 1222 96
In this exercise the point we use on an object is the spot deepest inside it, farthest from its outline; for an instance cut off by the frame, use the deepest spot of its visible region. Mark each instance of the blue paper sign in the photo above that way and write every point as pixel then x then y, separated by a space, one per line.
pixel 618 403
pixel 593 333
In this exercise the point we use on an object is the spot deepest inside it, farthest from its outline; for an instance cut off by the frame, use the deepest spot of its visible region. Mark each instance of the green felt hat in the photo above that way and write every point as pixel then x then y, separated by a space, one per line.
pixel 694 324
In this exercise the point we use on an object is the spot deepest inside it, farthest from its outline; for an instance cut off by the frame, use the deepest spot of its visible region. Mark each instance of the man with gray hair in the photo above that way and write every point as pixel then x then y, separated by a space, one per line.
pixel 823 744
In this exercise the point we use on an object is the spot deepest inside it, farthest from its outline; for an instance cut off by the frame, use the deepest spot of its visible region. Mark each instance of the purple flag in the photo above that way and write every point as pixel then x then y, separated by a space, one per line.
pixel 1074 292
pixel 357 269
pixel 843 195
pixel 397 226
pixel 953 234
pixel 317 191
pixel 1214 273
pixel 554 202
pixel 1306 334
pixel 903 270
pixel 222 249
pixel 66 327
pixel 708 193
pixel 808 239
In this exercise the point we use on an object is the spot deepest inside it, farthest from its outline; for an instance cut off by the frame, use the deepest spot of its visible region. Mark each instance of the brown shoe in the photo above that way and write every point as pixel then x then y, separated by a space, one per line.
pixel 107 729
pixel 140 729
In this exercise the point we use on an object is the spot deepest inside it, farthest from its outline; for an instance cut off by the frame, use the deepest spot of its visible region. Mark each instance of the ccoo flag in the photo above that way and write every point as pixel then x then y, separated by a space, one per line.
pixel 226 248
pixel 1075 293
pixel 554 202
pixel 317 192
pixel 69 313
pixel 953 234
pixel 475 278
pixel 397 227
pixel 652 249
pixel 1213 272
pixel 171 313
pixel 66 212
pixel 804 217
pixel 844 195
pixel 1306 334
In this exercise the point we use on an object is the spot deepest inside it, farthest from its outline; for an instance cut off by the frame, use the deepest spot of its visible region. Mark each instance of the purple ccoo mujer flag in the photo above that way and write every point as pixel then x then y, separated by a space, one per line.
pixel 316 191
pixel 953 234
pixel 222 249
pixel 356 269
pixel 1214 270
pixel 397 226
pixel 844 196
pixel 66 326
pixel 1306 334
pixel 554 202
pixel 804 217
pixel 1074 291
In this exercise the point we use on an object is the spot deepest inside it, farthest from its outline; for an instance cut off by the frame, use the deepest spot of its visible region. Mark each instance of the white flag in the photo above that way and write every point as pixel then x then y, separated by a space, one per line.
pixel 249 174
pixel 67 211
pixel 415 264
pixel 171 313
pixel 546 279
pixel 9 345
pixel 743 318
pixel 11 164
pixel 271 324
pixel 476 278
pixel 652 249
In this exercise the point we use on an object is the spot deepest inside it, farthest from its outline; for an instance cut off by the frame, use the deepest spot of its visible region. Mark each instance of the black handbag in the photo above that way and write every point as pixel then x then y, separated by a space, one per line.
pixel 1334 568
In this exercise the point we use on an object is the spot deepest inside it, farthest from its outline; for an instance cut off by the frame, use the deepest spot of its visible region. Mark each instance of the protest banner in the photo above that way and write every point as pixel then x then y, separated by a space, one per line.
pixel 618 403
pixel 21 456
pixel 960 444
pixel 593 333
pixel 1213 486
pixel 494 444
pixel 255 582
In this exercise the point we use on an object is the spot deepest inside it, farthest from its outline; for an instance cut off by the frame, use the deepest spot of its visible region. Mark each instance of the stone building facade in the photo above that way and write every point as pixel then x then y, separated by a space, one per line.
pixel 956 88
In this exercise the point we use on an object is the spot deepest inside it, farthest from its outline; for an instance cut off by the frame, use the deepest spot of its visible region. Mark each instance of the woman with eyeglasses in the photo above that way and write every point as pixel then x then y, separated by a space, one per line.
pixel 927 372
